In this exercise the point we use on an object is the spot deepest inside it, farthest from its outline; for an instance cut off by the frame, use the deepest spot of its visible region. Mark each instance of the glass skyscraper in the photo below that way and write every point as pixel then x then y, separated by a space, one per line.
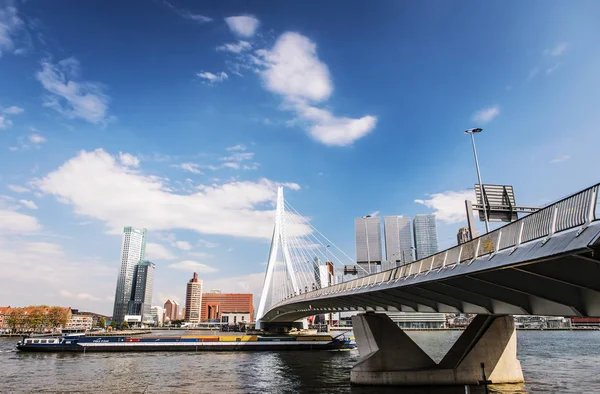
pixel 141 296
pixel 368 242
pixel 425 233
pixel 133 250
pixel 398 240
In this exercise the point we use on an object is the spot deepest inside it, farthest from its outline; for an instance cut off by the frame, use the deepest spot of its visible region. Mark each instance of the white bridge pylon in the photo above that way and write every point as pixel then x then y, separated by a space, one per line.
pixel 301 259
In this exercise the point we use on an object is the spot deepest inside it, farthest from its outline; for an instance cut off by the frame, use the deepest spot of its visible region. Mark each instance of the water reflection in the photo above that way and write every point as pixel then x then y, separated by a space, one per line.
pixel 565 362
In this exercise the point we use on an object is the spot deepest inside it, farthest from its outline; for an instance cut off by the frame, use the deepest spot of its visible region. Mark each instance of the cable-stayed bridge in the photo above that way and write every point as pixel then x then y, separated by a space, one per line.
pixel 546 263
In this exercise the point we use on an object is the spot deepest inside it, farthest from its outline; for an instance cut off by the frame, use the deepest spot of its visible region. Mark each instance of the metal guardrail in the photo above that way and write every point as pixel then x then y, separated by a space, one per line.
pixel 577 210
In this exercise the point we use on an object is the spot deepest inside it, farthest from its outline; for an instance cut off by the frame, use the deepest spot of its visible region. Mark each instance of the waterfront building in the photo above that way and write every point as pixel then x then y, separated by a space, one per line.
pixel 425 233
pixel 418 319
pixel 398 240
pixel 133 249
pixel 193 300
pixel 171 310
pixel 79 323
pixel 368 243
pixel 141 297
pixel 234 308
pixel 157 314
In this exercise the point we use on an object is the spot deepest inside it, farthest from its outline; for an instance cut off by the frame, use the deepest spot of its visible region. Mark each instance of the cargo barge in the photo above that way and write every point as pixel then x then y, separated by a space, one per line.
pixel 181 343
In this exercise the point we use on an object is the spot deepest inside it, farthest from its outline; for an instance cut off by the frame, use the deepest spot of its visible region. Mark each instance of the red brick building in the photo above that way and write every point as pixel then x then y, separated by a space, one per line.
pixel 227 308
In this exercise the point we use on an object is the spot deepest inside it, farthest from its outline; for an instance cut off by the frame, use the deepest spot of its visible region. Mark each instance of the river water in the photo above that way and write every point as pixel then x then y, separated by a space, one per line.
pixel 552 361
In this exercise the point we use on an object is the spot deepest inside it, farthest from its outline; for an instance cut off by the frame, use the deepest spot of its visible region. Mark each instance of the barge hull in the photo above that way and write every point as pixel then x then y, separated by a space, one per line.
pixel 182 347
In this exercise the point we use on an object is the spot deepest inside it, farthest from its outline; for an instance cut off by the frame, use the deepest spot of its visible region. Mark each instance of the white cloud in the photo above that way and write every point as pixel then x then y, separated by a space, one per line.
pixel 532 74
pixel 201 255
pixel 193 266
pixel 99 187
pixel 486 115
pixel 29 204
pixel 16 223
pixel 12 31
pixel 558 50
pixel 5 123
pixel 244 25
pixel 231 164
pixel 207 244
pixel 248 167
pixel 550 70
pixel 190 167
pixel 331 130
pixel 72 98
pixel 560 159
pixel 183 245
pixel 18 189
pixel 238 147
pixel 213 78
pixel 235 47
pixel 294 71
pixel 54 270
pixel 129 160
pixel 36 139
pixel 79 296
pixel 238 156
pixel 158 252
pixel 187 14
pixel 449 206
pixel 12 110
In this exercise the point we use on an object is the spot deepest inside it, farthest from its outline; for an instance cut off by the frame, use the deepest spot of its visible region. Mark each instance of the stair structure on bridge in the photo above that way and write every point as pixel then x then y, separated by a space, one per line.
pixel 546 263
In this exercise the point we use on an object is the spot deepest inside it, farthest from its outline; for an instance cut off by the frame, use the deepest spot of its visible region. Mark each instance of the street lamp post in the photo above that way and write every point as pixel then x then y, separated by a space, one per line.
pixel 485 215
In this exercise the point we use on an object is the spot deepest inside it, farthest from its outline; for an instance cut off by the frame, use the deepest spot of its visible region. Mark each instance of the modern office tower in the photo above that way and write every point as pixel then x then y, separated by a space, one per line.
pixel 317 273
pixel 425 232
pixel 193 300
pixel 141 295
pixel 171 310
pixel 398 240
pixel 132 252
pixel 368 243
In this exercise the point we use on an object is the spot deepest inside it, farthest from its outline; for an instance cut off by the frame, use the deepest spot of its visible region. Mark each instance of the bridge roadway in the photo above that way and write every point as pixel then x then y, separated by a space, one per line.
pixel 547 263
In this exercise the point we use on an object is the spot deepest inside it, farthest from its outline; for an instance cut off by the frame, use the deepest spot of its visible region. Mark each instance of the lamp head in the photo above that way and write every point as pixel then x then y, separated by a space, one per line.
pixel 475 130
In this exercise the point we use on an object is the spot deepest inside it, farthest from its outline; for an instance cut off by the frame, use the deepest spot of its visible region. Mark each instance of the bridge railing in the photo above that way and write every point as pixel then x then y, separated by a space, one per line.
pixel 577 210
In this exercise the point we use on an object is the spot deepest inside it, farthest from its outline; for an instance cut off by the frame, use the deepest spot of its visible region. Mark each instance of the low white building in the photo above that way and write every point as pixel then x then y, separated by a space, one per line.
pixel 235 317
pixel 157 313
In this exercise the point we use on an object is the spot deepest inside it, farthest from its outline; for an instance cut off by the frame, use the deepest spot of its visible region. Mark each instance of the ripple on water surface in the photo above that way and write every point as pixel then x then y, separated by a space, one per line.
pixel 552 361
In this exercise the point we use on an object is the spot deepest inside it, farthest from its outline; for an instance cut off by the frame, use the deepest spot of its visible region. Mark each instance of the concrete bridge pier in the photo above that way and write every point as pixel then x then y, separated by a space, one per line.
pixel 388 356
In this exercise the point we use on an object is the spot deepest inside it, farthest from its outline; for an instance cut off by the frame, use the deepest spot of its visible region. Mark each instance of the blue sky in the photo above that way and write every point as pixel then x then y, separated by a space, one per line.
pixel 183 117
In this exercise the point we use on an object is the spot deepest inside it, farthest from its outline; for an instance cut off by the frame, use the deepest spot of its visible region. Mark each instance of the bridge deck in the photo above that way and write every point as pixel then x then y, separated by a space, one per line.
pixel 543 264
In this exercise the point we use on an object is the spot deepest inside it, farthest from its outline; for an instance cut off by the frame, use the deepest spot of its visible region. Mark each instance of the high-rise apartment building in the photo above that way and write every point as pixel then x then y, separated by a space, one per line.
pixel 141 296
pixel 398 240
pixel 368 242
pixel 425 232
pixel 171 310
pixel 193 300
pixel 133 249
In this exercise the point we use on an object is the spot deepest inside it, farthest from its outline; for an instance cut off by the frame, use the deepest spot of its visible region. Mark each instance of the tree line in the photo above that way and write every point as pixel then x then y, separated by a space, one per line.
pixel 36 318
